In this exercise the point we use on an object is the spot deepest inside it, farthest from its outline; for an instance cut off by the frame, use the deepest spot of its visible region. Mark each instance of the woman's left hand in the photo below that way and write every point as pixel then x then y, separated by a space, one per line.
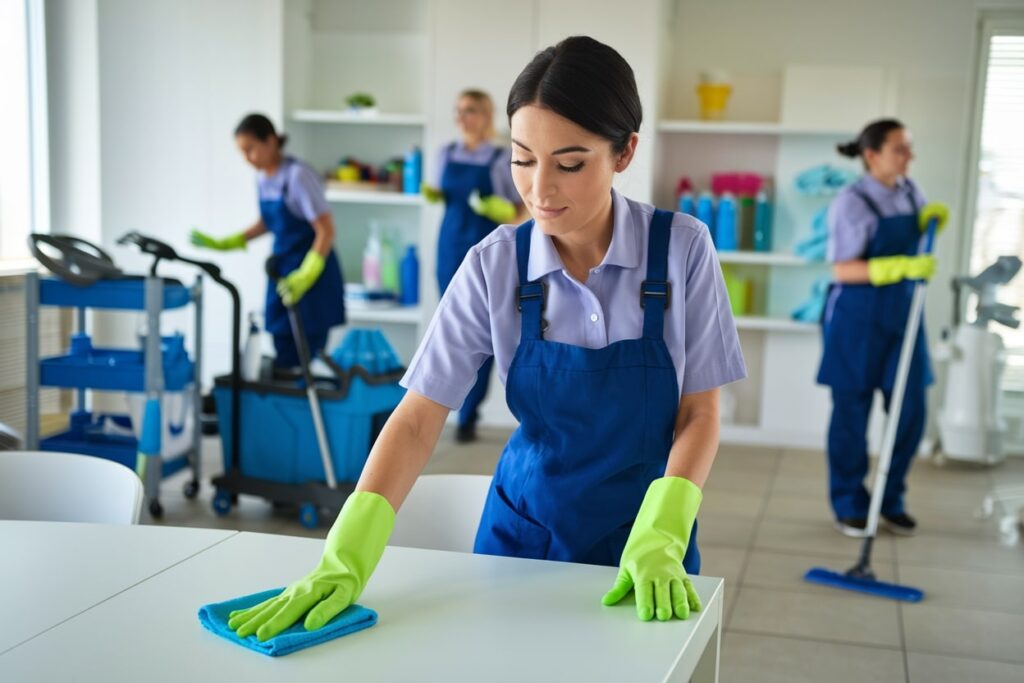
pixel 652 561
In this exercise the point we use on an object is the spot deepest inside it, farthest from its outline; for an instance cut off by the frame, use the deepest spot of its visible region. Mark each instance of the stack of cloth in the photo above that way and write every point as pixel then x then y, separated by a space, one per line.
pixel 823 181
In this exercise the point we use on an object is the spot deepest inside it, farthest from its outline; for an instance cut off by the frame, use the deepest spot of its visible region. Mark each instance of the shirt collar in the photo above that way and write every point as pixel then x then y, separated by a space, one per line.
pixel 624 250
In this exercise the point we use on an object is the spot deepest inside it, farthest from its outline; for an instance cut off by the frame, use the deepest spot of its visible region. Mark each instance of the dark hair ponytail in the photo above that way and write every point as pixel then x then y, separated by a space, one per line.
pixel 260 127
pixel 584 81
pixel 872 137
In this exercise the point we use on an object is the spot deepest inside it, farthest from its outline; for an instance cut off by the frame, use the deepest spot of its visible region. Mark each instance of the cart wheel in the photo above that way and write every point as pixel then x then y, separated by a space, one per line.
pixel 221 503
pixel 156 510
pixel 308 516
pixel 190 489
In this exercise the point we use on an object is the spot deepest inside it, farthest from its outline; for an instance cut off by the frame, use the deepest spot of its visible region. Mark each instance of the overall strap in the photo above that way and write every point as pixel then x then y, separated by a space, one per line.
pixel 495 155
pixel 870 203
pixel 911 193
pixel 656 290
pixel 529 295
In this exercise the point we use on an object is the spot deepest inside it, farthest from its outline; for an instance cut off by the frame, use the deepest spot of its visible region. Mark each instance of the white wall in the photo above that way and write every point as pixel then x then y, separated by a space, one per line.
pixel 174 80
pixel 72 63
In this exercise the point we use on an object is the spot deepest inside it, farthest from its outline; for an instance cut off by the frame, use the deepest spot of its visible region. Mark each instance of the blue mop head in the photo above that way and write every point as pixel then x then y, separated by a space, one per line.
pixel 882 589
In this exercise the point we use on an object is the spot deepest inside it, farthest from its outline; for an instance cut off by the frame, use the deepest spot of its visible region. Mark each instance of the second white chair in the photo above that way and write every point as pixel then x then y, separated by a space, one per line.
pixel 442 512
pixel 64 487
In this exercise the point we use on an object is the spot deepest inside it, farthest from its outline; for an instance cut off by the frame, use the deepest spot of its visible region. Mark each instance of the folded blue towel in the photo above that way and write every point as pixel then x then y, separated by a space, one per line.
pixel 812 308
pixel 214 618
pixel 823 180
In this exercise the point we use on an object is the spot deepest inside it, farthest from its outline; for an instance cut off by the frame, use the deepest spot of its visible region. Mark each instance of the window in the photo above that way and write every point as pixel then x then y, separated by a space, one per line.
pixel 24 196
pixel 998 183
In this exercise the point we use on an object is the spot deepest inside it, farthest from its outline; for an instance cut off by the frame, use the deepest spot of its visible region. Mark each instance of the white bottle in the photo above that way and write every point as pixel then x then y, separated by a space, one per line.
pixel 252 355
pixel 371 259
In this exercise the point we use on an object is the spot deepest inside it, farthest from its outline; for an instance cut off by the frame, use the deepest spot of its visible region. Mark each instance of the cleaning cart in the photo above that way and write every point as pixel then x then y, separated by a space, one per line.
pixel 160 372
pixel 279 456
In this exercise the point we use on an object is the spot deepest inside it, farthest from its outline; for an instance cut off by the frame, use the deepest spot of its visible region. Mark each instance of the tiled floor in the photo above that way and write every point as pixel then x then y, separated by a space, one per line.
pixel 763 523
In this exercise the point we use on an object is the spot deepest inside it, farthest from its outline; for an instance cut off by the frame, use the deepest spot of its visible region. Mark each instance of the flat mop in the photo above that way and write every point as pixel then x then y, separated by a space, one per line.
pixel 861 577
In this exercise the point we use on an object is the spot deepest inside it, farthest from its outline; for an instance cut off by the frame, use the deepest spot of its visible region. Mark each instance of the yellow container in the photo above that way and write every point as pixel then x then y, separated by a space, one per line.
pixel 740 291
pixel 713 100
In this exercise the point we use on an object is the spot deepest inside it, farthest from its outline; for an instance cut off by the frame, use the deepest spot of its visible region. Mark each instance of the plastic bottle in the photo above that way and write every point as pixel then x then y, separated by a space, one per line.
pixel 388 266
pixel 412 171
pixel 410 278
pixel 762 223
pixel 371 260
pixel 706 211
pixel 686 203
pixel 252 355
pixel 725 224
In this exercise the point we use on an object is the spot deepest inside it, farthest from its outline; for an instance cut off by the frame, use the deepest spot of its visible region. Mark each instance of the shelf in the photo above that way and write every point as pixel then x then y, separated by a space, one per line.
pixel 742 128
pixel 407 315
pixel 373 197
pixel 766 258
pixel 348 117
pixel 759 322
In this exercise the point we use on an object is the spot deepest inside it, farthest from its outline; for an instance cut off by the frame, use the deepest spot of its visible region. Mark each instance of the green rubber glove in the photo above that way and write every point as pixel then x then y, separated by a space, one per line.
pixel 493 207
pixel 432 194
pixel 295 284
pixel 351 552
pixel 229 243
pixel 652 561
pixel 887 270
pixel 936 210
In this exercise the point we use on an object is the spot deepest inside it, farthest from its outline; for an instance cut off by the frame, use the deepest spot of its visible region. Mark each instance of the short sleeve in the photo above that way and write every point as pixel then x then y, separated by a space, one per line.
pixel 457 341
pixel 712 346
pixel 501 177
pixel 307 192
pixel 849 228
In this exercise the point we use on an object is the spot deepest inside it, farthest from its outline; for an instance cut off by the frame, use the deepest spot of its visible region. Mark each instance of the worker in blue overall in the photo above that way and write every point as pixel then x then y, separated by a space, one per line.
pixel 473 177
pixel 610 328
pixel 294 209
pixel 874 239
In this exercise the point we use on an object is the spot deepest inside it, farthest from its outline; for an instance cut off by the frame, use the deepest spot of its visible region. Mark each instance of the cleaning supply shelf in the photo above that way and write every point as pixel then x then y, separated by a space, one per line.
pixel 86 367
pixel 127 294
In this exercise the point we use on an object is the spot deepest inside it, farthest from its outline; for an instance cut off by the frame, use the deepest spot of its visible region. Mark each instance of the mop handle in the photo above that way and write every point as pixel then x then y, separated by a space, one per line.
pixel 899 389
pixel 302 346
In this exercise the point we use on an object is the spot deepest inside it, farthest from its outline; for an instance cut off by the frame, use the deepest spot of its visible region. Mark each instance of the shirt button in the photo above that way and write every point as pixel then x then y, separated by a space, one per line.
pixel 593 317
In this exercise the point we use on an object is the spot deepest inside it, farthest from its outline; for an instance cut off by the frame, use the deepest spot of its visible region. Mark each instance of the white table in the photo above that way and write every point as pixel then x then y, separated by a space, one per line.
pixel 443 617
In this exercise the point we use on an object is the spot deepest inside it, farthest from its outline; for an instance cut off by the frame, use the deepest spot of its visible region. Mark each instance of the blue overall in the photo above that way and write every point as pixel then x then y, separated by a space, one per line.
pixel 863 331
pixel 322 307
pixel 595 429
pixel 461 229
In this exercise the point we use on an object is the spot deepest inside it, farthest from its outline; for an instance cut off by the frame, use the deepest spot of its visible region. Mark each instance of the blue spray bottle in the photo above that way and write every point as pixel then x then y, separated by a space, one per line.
pixel 725 225
pixel 706 211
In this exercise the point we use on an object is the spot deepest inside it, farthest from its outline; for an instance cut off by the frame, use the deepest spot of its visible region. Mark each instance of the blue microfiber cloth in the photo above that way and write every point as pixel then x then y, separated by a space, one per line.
pixel 214 618
pixel 811 309
pixel 814 248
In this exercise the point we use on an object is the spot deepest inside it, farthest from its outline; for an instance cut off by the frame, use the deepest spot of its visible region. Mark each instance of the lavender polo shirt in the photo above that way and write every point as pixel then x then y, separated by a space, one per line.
pixel 305 197
pixel 501 169
pixel 852 224
pixel 477 316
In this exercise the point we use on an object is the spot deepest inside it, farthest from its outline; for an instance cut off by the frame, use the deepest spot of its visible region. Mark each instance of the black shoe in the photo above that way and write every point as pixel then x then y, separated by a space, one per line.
pixel 465 434
pixel 901 524
pixel 852 527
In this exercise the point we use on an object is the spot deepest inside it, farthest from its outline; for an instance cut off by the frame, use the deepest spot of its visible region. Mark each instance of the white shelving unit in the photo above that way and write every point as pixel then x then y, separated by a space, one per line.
pixel 764 323
pixel 380 197
pixel 743 128
pixel 356 118
pixel 326 45
pixel 402 315
pixel 764 258
pixel 779 403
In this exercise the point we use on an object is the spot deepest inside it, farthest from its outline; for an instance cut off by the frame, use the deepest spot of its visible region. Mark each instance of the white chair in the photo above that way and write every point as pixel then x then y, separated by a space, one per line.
pixel 63 487
pixel 442 512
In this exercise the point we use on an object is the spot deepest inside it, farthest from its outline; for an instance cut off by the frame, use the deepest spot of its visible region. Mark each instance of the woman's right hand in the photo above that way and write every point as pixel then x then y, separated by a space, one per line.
pixel 229 243
pixel 353 548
